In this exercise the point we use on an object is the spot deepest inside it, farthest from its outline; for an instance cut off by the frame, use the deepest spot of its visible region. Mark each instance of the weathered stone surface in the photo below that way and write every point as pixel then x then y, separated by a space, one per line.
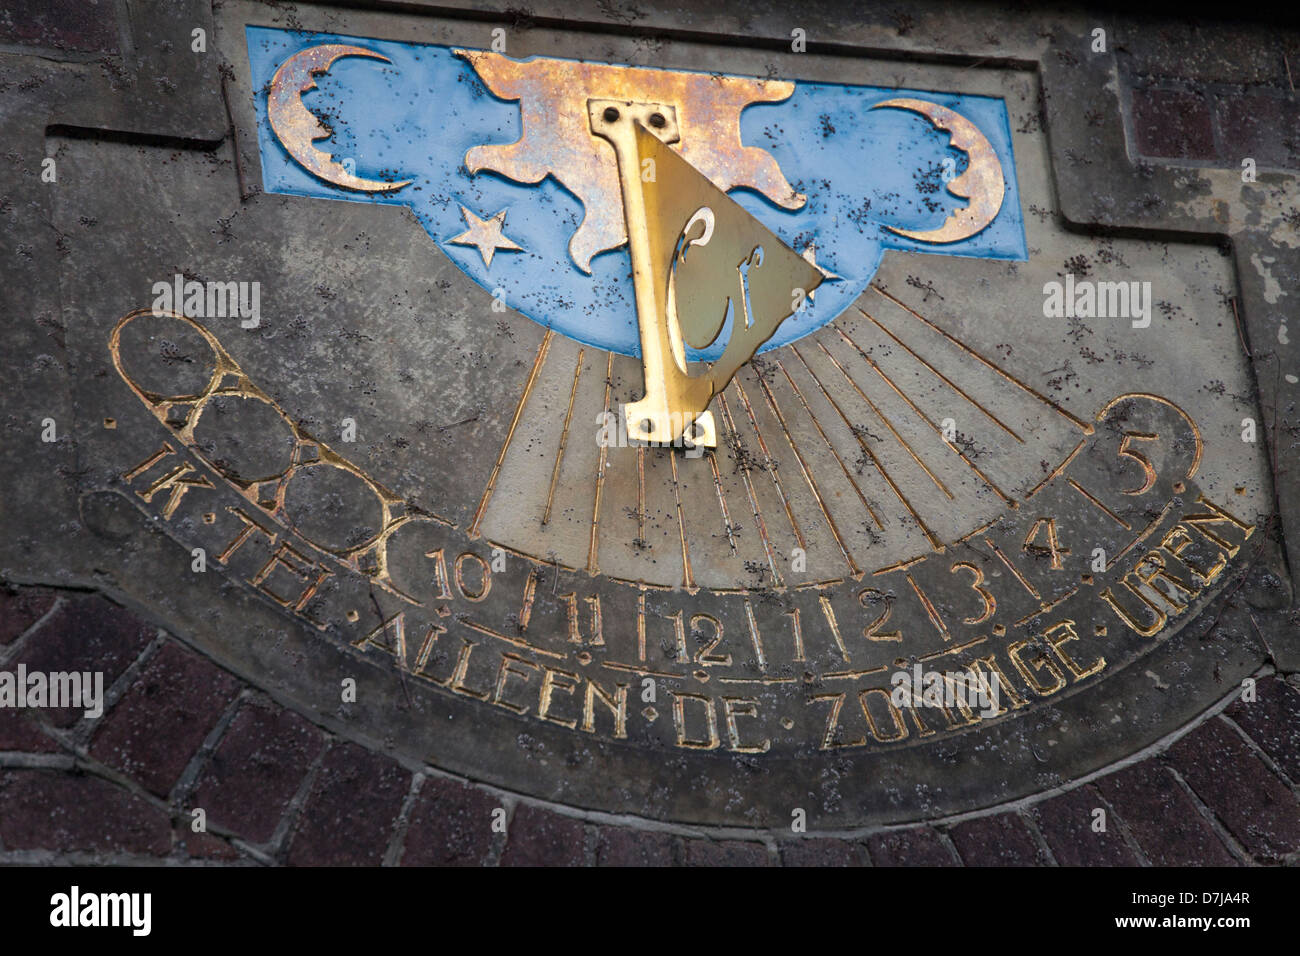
pixel 1127 161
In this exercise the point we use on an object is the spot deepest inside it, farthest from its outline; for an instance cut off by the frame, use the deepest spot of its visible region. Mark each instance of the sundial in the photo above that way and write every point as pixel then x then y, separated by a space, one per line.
pixel 629 433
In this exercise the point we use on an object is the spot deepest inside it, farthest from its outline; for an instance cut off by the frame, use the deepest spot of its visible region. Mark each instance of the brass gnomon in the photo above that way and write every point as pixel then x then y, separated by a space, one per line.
pixel 700 263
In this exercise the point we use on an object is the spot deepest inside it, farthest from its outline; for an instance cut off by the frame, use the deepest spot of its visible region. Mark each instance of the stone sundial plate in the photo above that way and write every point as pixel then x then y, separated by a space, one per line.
pixel 391 482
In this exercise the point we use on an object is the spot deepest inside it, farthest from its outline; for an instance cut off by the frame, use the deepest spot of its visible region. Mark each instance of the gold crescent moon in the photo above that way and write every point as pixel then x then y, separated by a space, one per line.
pixel 296 127
pixel 982 183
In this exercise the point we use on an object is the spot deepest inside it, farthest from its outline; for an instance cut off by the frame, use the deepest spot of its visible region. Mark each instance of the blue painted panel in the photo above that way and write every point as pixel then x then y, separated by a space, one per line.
pixel 415 118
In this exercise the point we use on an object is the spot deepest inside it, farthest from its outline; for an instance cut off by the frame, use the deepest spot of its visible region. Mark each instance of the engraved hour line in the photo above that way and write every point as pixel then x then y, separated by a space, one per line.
pixel 530 593
pixel 852 675
pixel 821 431
pixel 640 671
pixel 640 493
pixel 934 542
pixel 931 611
pixel 592 566
pixel 945 379
pixel 980 530
pixel 516 641
pixel 514 424
pixel 952 650
pixel 771 465
pixel 1059 468
pixel 887 423
pixel 1047 607
pixel 1145 534
pixel 1114 517
pixel 688 580
pixel 906 563
pixel 807 475
pixel 1015 573
pixel 564 440
pixel 640 623
pixel 1079 423
pixel 765 681
pixel 829 612
pixel 797 632
pixel 722 500
pixel 1010 502
pixel 755 638
pixel 749 490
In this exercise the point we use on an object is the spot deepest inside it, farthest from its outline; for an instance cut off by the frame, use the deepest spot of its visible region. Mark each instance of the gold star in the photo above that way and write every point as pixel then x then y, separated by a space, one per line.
pixel 485 234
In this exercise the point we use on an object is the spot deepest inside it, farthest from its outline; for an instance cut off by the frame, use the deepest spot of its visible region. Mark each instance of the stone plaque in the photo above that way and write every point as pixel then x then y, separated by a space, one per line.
pixel 929 478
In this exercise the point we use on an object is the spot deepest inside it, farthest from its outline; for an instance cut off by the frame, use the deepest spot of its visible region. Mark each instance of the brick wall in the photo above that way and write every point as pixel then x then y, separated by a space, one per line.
pixel 180 733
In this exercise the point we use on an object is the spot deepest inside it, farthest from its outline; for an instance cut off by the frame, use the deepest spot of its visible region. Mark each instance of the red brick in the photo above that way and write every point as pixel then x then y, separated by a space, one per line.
pixel 19 732
pixel 76 25
pixel 1172 124
pixel 256 769
pixel 1263 127
pixel 541 838
pixel 1255 806
pixel 1066 825
pixel 1189 47
pixel 86 634
pixel 628 846
pixel 19 610
pixel 726 853
pixel 1001 840
pixel 68 812
pixel 208 846
pixel 1273 721
pixel 919 846
pixel 450 825
pixel 161 720
pixel 348 818
pixel 820 851
pixel 1168 826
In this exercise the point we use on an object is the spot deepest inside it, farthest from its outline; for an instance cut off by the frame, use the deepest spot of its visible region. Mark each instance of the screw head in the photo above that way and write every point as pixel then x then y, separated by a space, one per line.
pixel 657 120
pixel 611 114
